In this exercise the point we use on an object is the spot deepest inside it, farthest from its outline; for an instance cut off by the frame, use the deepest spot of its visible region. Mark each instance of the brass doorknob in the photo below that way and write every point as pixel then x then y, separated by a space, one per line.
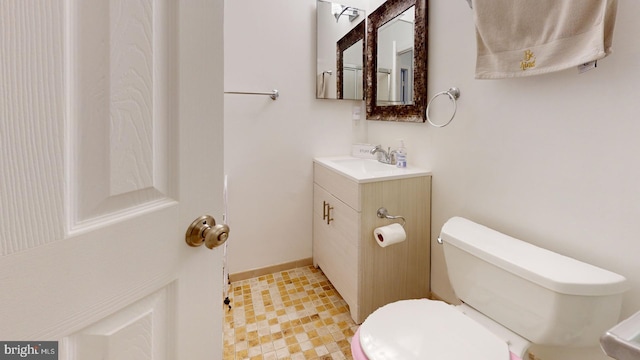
pixel 204 230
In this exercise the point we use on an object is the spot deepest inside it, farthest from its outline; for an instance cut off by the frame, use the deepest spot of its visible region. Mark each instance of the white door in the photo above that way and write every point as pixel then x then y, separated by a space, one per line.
pixel 110 146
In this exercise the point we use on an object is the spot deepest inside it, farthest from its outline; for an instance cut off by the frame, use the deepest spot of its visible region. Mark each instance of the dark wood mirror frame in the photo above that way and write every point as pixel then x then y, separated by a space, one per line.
pixel 410 113
pixel 352 37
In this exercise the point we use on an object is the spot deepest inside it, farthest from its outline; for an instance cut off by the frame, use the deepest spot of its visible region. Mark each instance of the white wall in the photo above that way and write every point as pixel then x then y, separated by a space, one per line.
pixel 553 160
pixel 269 145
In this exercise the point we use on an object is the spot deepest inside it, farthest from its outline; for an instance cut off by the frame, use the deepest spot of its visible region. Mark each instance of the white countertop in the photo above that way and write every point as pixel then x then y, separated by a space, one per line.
pixel 368 170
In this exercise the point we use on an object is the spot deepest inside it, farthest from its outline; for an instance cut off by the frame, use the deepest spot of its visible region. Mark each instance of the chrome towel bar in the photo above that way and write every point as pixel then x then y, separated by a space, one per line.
pixel 274 94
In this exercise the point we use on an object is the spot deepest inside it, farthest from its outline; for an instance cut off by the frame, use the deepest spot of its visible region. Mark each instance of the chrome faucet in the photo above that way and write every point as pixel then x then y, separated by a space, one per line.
pixel 384 156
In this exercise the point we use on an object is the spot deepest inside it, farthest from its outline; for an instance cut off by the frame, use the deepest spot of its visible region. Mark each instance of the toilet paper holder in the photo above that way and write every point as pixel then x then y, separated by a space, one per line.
pixel 384 214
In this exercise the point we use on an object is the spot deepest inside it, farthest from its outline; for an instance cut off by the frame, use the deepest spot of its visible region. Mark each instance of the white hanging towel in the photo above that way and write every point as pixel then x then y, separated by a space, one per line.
pixel 530 37
pixel 321 86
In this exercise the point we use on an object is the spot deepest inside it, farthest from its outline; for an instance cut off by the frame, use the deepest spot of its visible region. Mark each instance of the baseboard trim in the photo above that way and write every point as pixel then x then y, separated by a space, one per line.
pixel 270 269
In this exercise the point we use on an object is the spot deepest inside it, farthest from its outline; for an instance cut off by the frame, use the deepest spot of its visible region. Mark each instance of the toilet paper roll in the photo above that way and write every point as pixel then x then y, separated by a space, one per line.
pixel 389 235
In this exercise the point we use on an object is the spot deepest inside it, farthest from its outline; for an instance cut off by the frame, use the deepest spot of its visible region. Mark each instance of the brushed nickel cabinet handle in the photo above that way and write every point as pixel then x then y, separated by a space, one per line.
pixel 326 212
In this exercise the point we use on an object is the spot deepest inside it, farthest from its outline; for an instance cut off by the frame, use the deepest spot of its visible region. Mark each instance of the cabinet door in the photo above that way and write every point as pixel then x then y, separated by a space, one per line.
pixel 335 244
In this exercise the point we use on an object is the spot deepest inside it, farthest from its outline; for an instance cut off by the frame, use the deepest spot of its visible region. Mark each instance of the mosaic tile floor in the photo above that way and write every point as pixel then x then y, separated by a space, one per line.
pixel 294 314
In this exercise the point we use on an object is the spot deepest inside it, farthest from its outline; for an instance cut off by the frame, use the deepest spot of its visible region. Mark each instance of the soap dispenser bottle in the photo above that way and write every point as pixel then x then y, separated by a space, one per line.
pixel 401 155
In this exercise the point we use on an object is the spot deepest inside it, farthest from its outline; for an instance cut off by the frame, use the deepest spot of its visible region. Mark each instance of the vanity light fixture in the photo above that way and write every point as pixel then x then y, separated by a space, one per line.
pixel 339 10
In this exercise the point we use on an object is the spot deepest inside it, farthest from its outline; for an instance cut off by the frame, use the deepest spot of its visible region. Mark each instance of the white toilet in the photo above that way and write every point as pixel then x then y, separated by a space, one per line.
pixel 513 294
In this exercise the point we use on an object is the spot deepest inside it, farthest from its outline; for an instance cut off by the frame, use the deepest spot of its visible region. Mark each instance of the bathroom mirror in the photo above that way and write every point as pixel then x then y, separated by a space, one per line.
pixel 396 61
pixel 340 51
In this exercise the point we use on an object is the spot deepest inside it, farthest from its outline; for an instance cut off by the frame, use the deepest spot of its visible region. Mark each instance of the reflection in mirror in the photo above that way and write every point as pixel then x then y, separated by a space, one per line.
pixel 396 61
pixel 351 81
pixel 340 51
pixel 350 57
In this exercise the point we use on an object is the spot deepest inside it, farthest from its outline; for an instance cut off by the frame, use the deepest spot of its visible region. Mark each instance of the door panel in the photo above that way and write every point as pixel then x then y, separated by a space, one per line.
pixel 110 146
pixel 123 129
pixel 137 332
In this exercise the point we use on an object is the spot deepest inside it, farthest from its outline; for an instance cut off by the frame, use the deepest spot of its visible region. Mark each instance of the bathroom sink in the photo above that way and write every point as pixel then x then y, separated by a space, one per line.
pixel 622 341
pixel 364 165
pixel 368 170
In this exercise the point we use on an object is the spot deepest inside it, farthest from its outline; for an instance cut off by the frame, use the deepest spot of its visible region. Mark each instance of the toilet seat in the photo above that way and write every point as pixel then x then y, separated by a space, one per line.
pixel 427 329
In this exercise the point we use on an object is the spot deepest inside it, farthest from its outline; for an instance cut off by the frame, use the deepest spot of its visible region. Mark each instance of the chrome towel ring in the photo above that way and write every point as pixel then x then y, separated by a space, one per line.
pixel 453 94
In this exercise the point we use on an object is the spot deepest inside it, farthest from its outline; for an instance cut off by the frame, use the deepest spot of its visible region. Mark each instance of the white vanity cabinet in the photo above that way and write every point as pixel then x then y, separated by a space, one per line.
pixel 366 275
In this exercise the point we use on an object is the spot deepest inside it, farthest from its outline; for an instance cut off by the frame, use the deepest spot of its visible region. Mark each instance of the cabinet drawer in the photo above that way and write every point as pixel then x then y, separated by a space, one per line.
pixel 343 188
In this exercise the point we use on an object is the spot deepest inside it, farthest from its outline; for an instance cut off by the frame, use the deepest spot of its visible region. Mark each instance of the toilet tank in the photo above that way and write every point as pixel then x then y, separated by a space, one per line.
pixel 545 297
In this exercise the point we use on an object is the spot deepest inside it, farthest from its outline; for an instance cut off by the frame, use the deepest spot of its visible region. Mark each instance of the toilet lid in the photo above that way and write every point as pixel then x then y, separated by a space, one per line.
pixel 427 329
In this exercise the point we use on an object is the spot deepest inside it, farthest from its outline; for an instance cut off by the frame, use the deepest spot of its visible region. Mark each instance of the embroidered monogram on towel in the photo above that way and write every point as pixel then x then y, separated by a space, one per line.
pixel 529 60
